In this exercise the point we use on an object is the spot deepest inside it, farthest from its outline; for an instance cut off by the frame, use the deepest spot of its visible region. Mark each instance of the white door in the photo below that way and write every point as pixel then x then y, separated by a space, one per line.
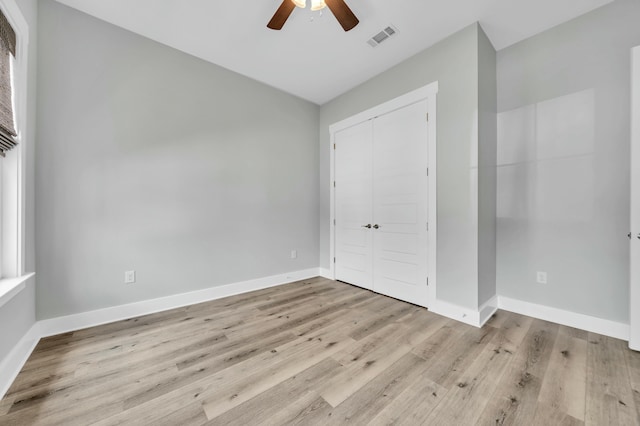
pixel 353 201
pixel 634 340
pixel 400 194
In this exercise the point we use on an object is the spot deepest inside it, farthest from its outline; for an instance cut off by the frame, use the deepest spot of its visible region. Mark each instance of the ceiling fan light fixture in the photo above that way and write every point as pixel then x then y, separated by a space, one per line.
pixel 318 5
pixel 338 8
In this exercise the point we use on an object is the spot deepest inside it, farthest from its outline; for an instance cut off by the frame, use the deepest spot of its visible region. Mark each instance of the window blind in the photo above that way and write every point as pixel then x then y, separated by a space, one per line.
pixel 7 50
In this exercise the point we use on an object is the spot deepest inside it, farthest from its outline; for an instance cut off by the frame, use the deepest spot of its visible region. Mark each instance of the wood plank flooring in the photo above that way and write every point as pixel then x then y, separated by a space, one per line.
pixel 326 353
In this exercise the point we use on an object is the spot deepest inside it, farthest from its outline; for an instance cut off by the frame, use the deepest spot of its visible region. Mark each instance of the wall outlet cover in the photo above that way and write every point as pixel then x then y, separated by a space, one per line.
pixel 541 277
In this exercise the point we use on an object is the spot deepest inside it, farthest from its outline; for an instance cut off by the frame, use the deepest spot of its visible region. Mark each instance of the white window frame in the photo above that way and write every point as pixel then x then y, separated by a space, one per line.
pixel 12 207
pixel 634 250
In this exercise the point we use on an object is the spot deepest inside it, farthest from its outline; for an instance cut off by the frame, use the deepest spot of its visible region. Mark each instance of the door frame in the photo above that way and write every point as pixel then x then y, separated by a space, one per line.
pixel 428 93
pixel 634 244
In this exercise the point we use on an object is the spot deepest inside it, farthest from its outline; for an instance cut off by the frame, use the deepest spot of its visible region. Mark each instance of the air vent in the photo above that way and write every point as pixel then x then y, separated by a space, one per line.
pixel 382 36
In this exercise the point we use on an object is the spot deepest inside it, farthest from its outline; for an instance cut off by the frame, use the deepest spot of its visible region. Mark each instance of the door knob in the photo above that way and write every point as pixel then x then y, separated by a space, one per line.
pixel 366 226
pixel 376 226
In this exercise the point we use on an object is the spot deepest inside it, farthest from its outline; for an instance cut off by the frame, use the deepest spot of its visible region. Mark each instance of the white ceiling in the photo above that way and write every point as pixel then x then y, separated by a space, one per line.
pixel 315 59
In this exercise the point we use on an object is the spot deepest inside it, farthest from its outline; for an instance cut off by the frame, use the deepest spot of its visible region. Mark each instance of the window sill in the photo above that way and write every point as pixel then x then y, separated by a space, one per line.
pixel 9 287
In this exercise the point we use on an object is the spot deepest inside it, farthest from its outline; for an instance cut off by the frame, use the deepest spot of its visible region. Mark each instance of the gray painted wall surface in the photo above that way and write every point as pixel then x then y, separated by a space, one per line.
pixel 487 145
pixel 152 160
pixel 453 63
pixel 18 315
pixel 563 163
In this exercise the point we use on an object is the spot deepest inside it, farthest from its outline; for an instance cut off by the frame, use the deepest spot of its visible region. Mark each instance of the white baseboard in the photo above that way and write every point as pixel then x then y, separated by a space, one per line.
pixel 13 363
pixel 456 312
pixel 53 326
pixel 487 310
pixel 326 273
pixel 572 319
pixel 468 316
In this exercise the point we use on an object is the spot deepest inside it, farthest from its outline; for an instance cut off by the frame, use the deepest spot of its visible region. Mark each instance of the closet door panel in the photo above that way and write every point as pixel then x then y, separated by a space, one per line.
pixel 400 185
pixel 353 205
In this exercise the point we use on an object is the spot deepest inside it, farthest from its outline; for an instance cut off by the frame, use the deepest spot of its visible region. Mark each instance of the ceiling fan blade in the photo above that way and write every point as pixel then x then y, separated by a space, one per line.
pixel 281 15
pixel 343 14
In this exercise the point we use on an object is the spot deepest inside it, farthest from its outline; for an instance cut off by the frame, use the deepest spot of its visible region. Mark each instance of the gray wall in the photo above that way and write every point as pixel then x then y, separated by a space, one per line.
pixel 487 145
pixel 452 62
pixel 18 315
pixel 563 163
pixel 152 160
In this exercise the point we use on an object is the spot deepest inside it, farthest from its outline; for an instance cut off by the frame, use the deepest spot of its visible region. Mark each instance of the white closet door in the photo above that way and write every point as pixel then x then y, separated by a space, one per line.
pixel 400 186
pixel 634 340
pixel 353 202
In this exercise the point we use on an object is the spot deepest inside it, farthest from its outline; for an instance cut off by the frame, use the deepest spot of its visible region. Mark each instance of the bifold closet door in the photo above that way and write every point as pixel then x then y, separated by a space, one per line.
pixel 353 205
pixel 400 196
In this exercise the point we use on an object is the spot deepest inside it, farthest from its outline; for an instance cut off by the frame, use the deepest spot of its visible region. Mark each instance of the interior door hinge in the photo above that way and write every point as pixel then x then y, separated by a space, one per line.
pixel 427 226
pixel 427 116
pixel 427 281
pixel 334 222
pixel 334 146
pixel 334 183
pixel 334 260
pixel 427 171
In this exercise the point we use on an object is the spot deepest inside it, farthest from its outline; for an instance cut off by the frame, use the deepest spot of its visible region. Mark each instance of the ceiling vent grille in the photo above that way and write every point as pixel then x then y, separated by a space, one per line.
pixel 382 36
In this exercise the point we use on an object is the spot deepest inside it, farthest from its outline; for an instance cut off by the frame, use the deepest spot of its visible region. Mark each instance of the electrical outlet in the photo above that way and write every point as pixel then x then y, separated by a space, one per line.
pixel 129 277
pixel 541 277
pixel 294 254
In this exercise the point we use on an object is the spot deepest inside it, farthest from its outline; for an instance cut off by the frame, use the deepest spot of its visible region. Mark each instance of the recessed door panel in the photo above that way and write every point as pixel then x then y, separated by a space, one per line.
pixel 399 213
pixel 353 203
pixel 399 272
pixel 400 184
pixel 397 242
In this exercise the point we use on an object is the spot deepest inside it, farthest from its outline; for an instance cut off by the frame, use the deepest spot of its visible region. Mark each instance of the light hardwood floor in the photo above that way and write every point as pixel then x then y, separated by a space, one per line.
pixel 323 352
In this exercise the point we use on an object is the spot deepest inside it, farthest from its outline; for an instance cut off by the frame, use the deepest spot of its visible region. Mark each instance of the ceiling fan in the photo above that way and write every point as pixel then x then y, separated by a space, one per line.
pixel 339 8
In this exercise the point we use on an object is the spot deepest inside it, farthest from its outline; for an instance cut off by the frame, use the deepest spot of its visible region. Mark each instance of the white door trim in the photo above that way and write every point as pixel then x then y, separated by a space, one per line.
pixel 429 93
pixel 634 273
